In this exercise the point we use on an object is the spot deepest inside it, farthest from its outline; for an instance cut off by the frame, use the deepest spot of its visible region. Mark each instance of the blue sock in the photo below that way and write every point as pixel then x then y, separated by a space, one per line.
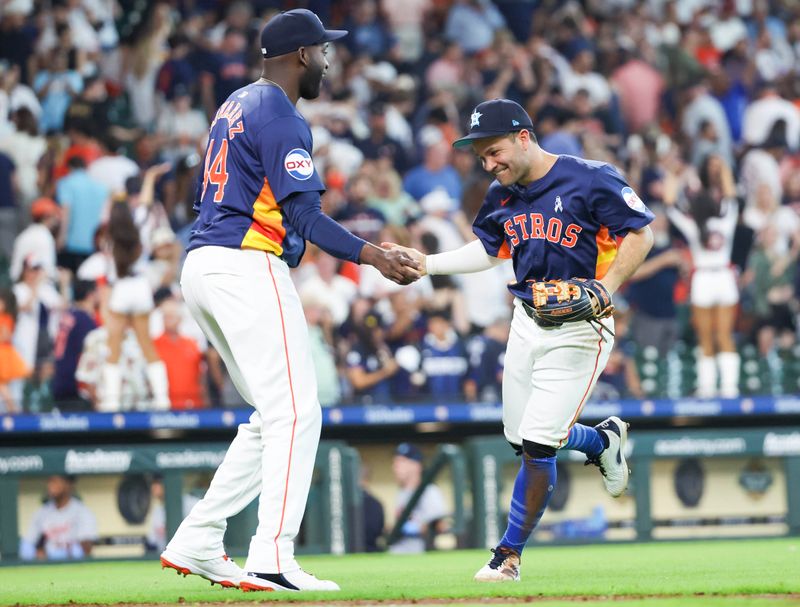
pixel 535 482
pixel 585 439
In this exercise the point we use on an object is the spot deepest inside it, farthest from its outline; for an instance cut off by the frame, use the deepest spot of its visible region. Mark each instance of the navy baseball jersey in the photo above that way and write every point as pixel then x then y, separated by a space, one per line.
pixel 258 154
pixel 562 225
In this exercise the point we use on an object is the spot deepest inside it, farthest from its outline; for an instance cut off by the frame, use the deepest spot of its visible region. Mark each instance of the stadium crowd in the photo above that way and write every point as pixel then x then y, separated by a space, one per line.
pixel 697 102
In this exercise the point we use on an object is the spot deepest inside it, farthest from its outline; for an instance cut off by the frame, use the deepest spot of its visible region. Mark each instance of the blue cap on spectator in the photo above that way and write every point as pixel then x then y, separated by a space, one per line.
pixel 410 451
pixel 286 32
pixel 494 118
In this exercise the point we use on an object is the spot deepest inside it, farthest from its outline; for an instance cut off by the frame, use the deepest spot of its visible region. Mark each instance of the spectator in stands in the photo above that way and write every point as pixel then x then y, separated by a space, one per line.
pixel 162 270
pixel 73 327
pixel 702 109
pixel 12 367
pixel 181 128
pixel 435 170
pixel 651 290
pixel 389 198
pixel 320 333
pixel 36 299
pixel 129 306
pixel 486 361
pixel 56 85
pixel 25 147
pixel 473 24
pixel 708 228
pixel 145 52
pixel 769 280
pixel 356 215
pixel 133 368
pixel 182 359
pixel 83 200
pixel 63 528
pixel 428 515
pixel 368 35
pixel 765 112
pixel 444 358
pixel 369 362
pixel 112 169
pixel 89 112
pixel 38 239
pixel 761 166
pixel 226 70
pixel 8 206
pixel 378 144
pixel 178 71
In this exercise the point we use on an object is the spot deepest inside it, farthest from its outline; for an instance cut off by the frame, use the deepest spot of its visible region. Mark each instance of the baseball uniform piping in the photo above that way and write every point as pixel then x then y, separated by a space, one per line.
pixel 294 413
pixel 589 387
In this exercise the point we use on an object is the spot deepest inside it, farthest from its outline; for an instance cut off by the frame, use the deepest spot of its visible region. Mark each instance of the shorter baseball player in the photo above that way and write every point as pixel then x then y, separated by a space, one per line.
pixel 558 219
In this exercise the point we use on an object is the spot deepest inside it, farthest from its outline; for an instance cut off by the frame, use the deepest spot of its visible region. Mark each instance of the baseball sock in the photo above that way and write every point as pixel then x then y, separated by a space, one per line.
pixel 535 482
pixel 586 439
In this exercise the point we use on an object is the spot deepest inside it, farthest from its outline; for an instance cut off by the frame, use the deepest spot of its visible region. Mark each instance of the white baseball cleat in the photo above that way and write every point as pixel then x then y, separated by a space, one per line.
pixel 292 581
pixel 611 461
pixel 220 570
pixel 502 567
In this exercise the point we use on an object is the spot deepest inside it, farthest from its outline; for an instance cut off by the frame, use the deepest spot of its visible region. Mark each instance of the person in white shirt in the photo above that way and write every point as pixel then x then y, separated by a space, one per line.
pixel 762 114
pixel 38 239
pixel 63 528
pixel 708 228
pixel 25 147
pixel 113 169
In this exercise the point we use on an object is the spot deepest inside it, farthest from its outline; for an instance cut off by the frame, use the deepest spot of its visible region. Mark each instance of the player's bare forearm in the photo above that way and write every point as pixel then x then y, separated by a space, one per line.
pixel 631 254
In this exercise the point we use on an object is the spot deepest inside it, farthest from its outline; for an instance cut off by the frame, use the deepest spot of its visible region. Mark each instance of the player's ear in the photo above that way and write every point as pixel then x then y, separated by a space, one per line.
pixel 302 54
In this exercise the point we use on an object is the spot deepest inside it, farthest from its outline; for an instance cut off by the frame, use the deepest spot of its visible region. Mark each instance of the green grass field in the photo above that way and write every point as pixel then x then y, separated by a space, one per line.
pixel 743 573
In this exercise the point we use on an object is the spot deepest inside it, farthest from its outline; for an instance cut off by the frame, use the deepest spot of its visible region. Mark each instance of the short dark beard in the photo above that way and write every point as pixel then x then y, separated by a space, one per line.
pixel 311 82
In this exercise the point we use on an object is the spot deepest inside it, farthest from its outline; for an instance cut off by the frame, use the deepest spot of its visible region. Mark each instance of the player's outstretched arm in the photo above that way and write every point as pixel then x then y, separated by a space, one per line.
pixel 305 214
pixel 394 264
pixel 470 258
pixel 631 254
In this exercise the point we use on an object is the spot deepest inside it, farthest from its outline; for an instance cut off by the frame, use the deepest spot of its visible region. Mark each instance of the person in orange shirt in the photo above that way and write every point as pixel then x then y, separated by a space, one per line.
pixel 183 359
pixel 11 364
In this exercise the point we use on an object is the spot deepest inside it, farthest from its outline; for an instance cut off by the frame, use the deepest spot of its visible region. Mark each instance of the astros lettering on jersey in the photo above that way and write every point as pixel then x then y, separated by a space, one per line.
pixel 556 226
pixel 238 208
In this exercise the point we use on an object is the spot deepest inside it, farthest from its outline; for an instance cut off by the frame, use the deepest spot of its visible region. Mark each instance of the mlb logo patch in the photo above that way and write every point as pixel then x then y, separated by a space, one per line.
pixel 298 164
pixel 632 200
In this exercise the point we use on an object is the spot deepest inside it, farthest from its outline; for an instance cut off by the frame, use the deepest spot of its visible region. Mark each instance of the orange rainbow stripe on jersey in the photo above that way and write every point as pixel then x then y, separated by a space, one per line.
pixel 606 252
pixel 267 232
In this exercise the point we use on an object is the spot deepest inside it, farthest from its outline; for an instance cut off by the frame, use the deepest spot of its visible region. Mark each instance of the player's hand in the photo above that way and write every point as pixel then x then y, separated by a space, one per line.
pixel 412 253
pixel 394 264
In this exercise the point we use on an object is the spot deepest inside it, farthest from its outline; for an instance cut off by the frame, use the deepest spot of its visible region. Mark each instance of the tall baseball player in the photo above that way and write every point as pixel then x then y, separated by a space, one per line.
pixel 258 203
pixel 556 218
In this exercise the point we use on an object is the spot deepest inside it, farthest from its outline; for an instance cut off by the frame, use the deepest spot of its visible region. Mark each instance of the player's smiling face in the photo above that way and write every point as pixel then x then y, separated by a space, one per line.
pixel 316 63
pixel 504 156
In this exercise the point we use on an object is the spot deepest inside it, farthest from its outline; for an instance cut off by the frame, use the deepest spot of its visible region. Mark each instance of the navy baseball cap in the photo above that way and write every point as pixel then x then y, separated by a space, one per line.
pixel 286 32
pixel 494 118
pixel 410 451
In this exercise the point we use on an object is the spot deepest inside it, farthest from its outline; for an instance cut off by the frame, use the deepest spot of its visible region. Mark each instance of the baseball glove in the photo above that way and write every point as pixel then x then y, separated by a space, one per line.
pixel 558 301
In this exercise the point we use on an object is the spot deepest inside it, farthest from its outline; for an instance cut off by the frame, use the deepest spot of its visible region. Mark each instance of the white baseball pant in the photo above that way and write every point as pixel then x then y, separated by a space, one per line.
pixel 248 307
pixel 548 377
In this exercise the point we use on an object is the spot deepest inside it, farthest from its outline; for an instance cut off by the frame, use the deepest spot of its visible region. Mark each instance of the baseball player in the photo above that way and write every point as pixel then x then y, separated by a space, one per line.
pixel 556 218
pixel 259 201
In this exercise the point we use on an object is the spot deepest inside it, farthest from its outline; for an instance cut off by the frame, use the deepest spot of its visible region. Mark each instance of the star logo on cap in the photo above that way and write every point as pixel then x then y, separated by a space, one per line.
pixel 475 119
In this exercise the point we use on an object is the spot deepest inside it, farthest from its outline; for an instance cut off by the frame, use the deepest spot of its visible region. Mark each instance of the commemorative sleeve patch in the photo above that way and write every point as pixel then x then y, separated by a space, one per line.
pixel 632 199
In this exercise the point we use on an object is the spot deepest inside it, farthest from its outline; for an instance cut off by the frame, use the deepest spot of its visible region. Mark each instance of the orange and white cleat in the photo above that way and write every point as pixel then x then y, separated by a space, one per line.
pixel 220 570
